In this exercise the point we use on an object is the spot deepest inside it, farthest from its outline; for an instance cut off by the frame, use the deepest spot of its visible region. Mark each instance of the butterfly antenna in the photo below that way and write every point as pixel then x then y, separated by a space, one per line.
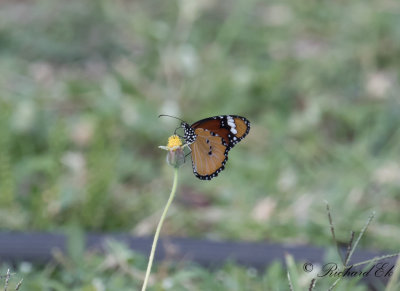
pixel 170 116
pixel 177 129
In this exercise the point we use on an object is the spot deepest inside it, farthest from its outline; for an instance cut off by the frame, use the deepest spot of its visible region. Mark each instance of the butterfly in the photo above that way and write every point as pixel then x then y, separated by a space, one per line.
pixel 210 141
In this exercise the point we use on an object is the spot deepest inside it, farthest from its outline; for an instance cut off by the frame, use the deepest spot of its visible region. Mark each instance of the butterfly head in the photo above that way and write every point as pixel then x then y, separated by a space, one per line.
pixel 190 135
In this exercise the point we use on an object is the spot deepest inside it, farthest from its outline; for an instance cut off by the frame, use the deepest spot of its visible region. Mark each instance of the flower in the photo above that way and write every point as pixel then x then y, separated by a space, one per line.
pixel 176 154
pixel 174 143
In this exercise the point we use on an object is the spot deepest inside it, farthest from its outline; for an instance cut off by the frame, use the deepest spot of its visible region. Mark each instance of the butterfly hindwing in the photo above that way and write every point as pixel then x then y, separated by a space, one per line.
pixel 209 154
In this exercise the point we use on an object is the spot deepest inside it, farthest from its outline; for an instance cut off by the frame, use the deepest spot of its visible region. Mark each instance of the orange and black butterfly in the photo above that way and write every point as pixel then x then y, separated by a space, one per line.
pixel 210 141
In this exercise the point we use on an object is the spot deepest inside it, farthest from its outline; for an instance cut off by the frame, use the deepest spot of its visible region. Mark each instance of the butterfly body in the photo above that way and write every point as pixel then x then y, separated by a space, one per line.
pixel 211 139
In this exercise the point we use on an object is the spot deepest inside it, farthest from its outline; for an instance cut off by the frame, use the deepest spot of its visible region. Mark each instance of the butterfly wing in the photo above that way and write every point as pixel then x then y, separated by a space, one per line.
pixel 215 136
pixel 232 128
pixel 209 154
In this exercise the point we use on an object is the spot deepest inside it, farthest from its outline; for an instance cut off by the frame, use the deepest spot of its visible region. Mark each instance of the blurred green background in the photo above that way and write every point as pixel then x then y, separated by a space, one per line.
pixel 83 82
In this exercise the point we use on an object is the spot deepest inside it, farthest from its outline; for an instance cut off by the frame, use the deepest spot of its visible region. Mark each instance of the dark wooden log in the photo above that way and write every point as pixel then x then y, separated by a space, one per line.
pixel 38 247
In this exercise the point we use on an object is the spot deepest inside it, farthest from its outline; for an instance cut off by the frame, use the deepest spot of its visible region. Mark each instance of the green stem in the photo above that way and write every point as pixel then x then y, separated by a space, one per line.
pixel 157 234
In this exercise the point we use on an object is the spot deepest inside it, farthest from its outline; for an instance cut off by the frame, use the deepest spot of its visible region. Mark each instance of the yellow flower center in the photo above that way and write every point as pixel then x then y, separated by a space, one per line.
pixel 174 142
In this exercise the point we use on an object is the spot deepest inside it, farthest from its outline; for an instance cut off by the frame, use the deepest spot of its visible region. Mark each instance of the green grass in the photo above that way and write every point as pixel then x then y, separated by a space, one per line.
pixel 82 84
pixel 121 269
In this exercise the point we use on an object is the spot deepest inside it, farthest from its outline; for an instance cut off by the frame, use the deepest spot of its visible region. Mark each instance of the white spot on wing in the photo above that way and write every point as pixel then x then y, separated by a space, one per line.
pixel 232 124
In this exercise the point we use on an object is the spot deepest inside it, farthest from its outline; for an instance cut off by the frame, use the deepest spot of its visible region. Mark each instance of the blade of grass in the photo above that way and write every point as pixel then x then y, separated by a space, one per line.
pixel 290 281
pixel 394 282
pixel 359 237
pixel 292 273
pixel 19 285
pixel 335 283
pixel 312 284
pixel 375 259
pixel 7 279
pixel 333 231
pixel 349 246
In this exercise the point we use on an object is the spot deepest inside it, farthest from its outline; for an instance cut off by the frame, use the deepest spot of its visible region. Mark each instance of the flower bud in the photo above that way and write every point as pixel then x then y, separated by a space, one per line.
pixel 176 154
pixel 176 158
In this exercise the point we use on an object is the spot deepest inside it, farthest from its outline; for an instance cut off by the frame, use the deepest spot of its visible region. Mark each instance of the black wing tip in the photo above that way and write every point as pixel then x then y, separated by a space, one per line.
pixel 233 140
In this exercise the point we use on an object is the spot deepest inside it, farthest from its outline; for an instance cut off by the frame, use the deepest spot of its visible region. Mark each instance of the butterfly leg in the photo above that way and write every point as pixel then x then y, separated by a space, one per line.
pixel 176 130
pixel 190 151
pixel 181 137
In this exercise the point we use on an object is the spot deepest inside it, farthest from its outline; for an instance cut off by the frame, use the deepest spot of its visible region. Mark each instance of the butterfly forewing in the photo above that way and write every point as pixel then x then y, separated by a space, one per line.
pixel 242 127
pixel 232 128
